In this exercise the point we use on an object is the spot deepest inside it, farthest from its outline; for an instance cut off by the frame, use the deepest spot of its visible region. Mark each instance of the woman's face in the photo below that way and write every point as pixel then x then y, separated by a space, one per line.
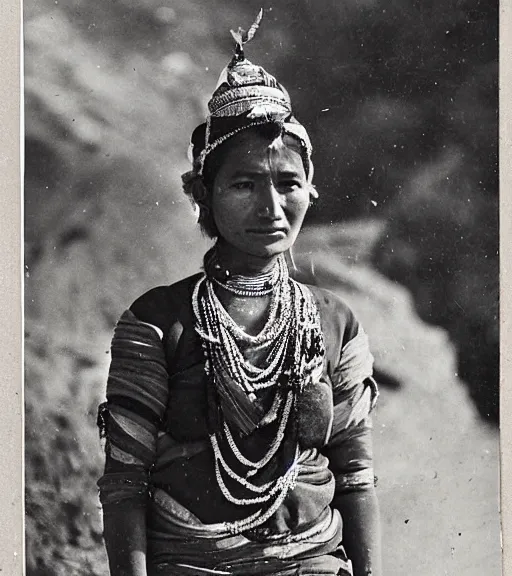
pixel 260 195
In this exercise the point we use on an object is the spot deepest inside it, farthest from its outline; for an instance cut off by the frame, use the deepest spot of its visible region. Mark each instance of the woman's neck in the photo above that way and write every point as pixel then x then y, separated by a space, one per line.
pixel 241 263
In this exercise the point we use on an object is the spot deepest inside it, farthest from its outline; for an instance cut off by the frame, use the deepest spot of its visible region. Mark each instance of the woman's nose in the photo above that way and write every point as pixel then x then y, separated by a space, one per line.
pixel 269 203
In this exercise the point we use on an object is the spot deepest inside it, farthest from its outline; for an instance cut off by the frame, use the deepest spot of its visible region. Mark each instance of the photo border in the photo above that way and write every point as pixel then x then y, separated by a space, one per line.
pixel 11 379
pixel 505 178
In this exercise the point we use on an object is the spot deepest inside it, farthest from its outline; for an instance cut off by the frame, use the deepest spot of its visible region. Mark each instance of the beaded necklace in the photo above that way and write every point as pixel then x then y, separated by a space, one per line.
pixel 294 351
pixel 240 285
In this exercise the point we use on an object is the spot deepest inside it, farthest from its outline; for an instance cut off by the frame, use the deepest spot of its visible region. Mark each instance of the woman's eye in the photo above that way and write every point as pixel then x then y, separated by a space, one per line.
pixel 290 185
pixel 245 185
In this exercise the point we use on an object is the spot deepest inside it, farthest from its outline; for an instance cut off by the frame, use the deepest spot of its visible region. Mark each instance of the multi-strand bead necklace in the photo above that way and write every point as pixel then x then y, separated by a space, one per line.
pixel 292 344
pixel 259 285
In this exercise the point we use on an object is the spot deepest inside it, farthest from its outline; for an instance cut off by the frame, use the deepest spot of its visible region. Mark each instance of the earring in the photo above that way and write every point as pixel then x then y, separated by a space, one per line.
pixel 292 259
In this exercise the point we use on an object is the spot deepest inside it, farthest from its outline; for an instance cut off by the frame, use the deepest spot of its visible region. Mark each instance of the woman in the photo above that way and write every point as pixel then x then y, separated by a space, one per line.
pixel 238 400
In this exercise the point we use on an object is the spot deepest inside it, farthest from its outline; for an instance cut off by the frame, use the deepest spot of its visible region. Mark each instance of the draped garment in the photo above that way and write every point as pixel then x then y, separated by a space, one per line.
pixel 159 455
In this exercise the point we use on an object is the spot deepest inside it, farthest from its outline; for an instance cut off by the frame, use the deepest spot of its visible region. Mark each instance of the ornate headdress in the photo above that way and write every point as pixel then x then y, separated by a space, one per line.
pixel 246 96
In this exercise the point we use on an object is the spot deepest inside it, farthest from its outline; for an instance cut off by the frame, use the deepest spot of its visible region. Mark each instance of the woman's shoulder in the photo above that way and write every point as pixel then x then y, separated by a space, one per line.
pixel 339 322
pixel 330 301
pixel 166 305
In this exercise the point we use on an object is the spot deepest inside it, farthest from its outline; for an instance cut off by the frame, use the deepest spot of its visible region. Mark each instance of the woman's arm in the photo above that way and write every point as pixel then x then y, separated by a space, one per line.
pixel 361 530
pixel 351 461
pixel 129 420
pixel 123 492
pixel 125 538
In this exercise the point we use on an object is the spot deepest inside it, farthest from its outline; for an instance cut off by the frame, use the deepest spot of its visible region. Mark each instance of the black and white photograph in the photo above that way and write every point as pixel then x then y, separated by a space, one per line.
pixel 261 288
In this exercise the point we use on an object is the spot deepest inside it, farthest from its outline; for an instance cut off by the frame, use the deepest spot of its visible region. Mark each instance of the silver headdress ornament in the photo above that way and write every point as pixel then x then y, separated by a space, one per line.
pixel 246 95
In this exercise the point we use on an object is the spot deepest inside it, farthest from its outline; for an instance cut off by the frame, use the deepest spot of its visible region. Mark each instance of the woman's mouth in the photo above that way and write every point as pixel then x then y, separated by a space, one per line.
pixel 268 232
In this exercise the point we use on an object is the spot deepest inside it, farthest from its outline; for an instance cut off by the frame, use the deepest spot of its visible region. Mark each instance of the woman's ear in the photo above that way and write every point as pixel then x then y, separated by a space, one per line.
pixel 313 192
pixel 195 188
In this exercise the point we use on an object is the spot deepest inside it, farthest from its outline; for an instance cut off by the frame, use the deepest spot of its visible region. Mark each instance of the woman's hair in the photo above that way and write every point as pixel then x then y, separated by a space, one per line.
pixel 199 188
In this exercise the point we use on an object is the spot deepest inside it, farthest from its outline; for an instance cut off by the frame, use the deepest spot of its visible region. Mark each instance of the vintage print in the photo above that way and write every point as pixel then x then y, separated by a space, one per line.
pixel 261 288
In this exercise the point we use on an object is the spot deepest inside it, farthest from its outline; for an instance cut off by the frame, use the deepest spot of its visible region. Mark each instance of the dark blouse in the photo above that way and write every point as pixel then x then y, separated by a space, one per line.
pixel 156 424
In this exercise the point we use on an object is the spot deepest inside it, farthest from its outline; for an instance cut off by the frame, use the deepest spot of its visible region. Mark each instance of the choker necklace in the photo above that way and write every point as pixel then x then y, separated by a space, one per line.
pixel 240 285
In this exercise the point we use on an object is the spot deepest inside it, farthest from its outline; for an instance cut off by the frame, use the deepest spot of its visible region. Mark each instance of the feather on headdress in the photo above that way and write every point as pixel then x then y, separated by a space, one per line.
pixel 242 37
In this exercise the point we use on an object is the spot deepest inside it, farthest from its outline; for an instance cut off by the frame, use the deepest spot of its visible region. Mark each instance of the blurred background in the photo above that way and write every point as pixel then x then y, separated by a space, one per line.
pixel 400 99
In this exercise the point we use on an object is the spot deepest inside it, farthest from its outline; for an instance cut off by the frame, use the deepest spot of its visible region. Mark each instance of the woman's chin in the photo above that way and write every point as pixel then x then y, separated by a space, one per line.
pixel 268 246
pixel 257 247
pixel 268 250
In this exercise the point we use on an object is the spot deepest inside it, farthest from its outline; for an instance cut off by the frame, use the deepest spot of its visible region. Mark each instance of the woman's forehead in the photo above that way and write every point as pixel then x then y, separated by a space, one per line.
pixel 254 153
